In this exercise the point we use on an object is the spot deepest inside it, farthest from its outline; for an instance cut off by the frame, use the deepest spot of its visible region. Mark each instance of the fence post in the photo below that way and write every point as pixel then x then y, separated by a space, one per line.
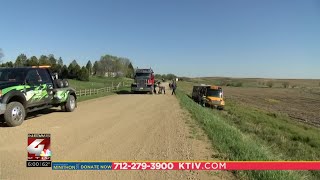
pixel 90 91
pixel 80 92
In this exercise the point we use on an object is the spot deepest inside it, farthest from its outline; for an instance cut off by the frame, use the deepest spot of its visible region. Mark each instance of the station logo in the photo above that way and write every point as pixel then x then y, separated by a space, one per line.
pixel 39 147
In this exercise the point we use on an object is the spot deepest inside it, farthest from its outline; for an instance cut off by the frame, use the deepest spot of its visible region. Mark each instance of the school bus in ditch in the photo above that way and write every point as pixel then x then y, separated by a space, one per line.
pixel 209 95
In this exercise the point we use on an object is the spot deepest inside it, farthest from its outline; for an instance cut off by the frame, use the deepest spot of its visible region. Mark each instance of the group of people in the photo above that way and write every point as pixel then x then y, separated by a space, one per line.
pixel 173 87
pixel 161 88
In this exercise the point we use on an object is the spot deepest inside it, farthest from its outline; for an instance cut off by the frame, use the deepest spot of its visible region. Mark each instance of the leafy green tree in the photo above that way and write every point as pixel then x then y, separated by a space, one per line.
pixel 117 64
pixel 74 63
pixel 43 60
pixel 74 69
pixel 171 76
pixel 95 68
pixel 9 64
pixel 130 71
pixel 286 84
pixel 270 84
pixel 59 65
pixel 89 67
pixel 163 76
pixel 107 64
pixel 98 69
pixel 64 72
pixel 52 60
pixel 60 62
pixel 83 74
pixel 53 63
pixel 21 60
pixel 158 76
pixel 33 61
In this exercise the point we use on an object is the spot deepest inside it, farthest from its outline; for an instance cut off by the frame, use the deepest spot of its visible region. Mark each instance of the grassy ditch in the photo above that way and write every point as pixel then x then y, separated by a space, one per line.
pixel 238 143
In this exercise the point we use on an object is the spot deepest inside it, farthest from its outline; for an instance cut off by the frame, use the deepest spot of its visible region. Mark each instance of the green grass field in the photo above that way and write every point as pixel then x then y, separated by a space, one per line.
pixel 257 82
pixel 84 98
pixel 98 82
pixel 242 133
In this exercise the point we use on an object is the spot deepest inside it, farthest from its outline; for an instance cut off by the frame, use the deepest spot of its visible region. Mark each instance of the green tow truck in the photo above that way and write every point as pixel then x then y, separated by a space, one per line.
pixel 28 89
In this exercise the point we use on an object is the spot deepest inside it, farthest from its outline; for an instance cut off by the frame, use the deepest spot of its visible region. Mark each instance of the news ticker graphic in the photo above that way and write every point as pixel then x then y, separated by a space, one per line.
pixel 188 165
pixel 38 148
pixel 81 165
pixel 39 163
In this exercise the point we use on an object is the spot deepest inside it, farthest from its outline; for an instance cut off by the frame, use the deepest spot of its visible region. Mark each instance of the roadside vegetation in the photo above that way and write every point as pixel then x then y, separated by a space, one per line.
pixel 243 133
pixel 107 66
pixel 99 82
pixel 103 94
pixel 270 84
pixel 255 82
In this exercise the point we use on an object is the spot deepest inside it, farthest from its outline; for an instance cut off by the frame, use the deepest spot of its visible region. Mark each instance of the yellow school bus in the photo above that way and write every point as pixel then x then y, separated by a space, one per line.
pixel 208 95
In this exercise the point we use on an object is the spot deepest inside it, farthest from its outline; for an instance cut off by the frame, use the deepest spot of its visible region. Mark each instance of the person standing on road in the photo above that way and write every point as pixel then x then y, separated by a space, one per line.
pixel 174 87
pixel 152 81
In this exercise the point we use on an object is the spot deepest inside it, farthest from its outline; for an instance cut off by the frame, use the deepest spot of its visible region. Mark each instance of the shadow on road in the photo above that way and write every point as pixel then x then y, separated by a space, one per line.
pixel 41 113
pixel 31 115
pixel 129 92
pixel 124 92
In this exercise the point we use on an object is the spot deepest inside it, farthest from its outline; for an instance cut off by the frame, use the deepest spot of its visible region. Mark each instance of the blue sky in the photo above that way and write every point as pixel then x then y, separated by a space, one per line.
pixel 247 38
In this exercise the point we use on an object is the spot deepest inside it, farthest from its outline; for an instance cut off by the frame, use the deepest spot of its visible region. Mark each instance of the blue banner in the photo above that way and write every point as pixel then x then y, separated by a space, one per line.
pixel 81 165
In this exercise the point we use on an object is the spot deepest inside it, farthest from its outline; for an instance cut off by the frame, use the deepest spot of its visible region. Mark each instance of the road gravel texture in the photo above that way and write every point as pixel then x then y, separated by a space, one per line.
pixel 124 127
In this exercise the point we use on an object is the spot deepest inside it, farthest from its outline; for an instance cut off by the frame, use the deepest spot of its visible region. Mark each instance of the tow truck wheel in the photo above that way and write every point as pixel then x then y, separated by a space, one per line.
pixel 71 103
pixel 65 83
pixel 59 83
pixel 14 114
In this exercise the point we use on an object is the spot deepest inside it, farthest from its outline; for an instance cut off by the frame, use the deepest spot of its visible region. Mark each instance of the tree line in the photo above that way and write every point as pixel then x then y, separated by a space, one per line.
pixel 165 76
pixel 107 66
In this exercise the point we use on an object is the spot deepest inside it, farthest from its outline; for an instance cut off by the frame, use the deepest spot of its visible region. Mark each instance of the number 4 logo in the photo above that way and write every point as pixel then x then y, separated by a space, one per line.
pixel 32 147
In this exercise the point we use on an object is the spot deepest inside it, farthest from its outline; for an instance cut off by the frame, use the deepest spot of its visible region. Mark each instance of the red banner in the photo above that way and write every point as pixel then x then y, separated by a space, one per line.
pixel 219 165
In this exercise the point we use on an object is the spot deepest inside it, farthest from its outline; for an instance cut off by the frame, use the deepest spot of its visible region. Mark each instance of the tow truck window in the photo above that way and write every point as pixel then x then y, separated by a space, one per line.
pixel 33 76
pixel 11 75
pixel 44 75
